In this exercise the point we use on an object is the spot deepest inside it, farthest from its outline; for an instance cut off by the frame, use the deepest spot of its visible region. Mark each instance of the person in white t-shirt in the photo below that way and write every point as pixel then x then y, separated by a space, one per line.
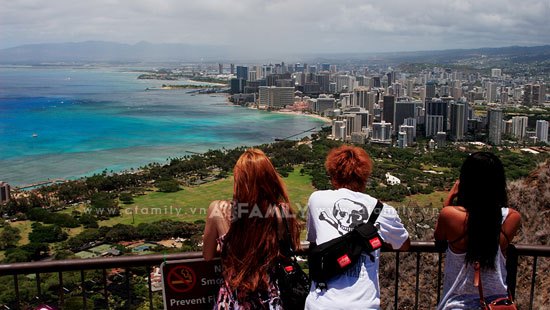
pixel 332 213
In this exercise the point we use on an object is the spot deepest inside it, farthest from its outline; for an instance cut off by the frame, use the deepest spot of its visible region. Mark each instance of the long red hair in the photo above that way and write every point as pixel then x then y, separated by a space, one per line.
pixel 252 242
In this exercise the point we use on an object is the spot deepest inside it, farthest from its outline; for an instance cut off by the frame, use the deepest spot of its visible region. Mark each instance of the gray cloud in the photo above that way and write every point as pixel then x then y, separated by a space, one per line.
pixel 282 26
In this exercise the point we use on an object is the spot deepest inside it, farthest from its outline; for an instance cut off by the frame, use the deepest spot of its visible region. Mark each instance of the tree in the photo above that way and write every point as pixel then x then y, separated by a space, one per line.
pixel 104 205
pixel 46 233
pixel 9 237
pixel 126 198
pixel 88 221
pixel 168 186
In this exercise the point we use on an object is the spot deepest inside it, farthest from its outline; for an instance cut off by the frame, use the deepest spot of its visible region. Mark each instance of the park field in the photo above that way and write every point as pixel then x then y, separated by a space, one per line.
pixel 191 203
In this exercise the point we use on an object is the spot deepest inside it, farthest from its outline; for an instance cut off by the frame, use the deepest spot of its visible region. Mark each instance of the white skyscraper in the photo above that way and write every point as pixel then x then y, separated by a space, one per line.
pixel 496 73
pixel 381 132
pixel 519 126
pixel 491 92
pixel 542 131
pixel 495 126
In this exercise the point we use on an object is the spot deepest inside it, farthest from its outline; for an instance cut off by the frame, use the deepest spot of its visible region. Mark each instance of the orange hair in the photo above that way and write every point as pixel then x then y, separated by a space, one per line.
pixel 252 242
pixel 349 167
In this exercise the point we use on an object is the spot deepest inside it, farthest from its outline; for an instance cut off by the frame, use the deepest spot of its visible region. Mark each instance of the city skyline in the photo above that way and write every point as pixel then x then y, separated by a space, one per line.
pixel 287 26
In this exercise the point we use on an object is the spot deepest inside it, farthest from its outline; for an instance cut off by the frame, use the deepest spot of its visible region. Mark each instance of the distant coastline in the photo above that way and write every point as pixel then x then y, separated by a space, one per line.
pixel 327 120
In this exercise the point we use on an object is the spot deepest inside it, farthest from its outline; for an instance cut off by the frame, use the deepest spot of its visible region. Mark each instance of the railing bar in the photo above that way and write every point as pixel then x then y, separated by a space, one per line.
pixel 61 297
pixel 396 292
pixel 38 288
pixel 105 291
pixel 127 276
pixel 512 269
pixel 16 286
pixel 417 280
pixel 533 280
pixel 149 284
pixel 439 264
pixel 84 297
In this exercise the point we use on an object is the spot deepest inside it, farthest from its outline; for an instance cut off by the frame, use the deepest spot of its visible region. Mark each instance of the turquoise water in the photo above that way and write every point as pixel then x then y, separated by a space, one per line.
pixel 58 122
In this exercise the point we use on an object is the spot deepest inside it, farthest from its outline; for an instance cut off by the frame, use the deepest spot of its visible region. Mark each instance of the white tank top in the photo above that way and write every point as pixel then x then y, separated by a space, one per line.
pixel 459 291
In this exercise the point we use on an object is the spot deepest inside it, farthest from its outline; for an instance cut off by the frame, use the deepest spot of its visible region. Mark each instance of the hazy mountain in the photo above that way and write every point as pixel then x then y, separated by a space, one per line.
pixel 98 51
pixel 514 53
pixel 109 52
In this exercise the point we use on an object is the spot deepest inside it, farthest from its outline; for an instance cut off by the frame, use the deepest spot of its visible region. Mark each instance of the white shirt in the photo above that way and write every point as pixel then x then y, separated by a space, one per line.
pixel 333 213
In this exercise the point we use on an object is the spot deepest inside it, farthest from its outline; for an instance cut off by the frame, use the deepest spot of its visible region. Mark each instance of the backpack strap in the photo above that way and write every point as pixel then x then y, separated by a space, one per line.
pixel 375 212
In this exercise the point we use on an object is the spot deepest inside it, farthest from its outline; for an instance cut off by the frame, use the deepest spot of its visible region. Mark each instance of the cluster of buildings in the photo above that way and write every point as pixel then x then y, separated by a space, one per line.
pixel 391 107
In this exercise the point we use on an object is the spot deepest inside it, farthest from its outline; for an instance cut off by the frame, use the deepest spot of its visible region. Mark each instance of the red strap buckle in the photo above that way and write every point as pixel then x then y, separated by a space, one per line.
pixel 375 243
pixel 344 260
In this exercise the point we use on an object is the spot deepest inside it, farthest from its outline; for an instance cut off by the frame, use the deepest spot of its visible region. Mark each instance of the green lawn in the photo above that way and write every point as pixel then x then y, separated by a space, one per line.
pixel 434 199
pixel 191 203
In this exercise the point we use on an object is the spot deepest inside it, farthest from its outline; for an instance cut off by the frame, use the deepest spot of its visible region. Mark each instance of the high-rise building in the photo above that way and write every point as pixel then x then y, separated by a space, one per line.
pixel 496 73
pixel 402 139
pixel 4 192
pixel 410 131
pixel 495 126
pixel 430 90
pixel 404 108
pixel 436 117
pixel 491 92
pixel 242 72
pixel 376 81
pixel 323 104
pixel 457 121
pixel 324 82
pixel 542 131
pixel 519 126
pixel 388 110
pixel 220 68
pixel 441 139
pixel 252 76
pixel 276 97
pixel 237 85
pixel 345 83
pixel 381 132
pixel 538 94
pixel 338 130
pixel 360 97
pixel 232 68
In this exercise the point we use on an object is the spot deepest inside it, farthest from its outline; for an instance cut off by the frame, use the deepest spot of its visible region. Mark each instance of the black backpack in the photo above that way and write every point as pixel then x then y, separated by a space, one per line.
pixel 332 258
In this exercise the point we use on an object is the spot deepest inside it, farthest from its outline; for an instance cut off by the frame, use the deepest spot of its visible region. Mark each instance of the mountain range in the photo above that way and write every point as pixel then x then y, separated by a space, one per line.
pixel 110 52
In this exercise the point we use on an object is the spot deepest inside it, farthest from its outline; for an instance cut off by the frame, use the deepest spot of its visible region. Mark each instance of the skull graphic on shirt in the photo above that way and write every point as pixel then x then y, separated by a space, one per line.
pixel 346 214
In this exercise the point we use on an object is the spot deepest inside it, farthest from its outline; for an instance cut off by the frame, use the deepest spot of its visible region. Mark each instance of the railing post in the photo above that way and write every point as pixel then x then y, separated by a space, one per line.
pixel 148 269
pixel 417 284
pixel 84 297
pixel 512 269
pixel 16 287
pixel 61 293
pixel 533 282
pixel 38 288
pixel 396 291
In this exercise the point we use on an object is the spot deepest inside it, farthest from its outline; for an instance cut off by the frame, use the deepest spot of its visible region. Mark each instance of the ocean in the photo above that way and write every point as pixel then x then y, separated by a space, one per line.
pixel 69 122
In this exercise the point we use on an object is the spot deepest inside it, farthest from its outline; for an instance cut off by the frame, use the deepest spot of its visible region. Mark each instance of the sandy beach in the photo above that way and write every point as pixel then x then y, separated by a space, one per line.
pixel 319 117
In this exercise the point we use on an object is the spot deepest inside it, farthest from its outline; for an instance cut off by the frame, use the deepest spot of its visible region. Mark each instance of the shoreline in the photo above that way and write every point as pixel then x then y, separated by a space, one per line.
pixel 326 120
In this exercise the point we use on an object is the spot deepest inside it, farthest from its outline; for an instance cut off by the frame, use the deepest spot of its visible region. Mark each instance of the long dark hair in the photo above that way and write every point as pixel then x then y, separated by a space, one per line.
pixel 252 242
pixel 482 192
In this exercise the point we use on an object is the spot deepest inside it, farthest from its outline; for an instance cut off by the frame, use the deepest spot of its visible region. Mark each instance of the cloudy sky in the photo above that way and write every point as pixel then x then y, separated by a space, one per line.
pixel 311 26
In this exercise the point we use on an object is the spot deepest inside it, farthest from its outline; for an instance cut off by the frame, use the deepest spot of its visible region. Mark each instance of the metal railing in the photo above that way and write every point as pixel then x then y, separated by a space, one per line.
pixel 148 261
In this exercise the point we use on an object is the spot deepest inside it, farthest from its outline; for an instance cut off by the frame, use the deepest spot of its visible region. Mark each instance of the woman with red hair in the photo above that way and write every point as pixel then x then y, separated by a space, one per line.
pixel 333 213
pixel 247 231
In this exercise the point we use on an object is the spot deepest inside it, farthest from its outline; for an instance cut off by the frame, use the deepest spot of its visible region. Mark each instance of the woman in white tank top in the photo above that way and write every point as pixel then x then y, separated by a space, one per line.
pixel 477 228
